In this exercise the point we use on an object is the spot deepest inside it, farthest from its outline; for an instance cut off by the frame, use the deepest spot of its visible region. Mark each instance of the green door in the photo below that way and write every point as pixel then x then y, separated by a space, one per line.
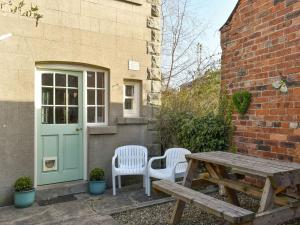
pixel 59 127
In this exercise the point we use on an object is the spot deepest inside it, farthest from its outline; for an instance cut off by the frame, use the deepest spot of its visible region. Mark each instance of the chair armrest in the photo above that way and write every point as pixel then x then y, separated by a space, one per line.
pixel 153 159
pixel 174 168
pixel 113 163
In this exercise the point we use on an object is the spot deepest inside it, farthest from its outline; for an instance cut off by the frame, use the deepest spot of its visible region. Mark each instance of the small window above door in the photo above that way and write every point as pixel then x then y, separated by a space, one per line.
pixel 131 104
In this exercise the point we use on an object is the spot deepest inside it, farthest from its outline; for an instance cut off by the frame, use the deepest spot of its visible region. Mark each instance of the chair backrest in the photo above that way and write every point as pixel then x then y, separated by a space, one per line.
pixel 132 156
pixel 175 155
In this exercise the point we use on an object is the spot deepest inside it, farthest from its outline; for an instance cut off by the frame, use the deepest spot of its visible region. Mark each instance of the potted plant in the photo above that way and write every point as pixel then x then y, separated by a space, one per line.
pixel 97 184
pixel 24 192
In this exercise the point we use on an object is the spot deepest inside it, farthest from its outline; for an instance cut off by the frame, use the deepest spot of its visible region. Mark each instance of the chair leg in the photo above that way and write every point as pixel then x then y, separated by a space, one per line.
pixel 145 185
pixel 114 184
pixel 119 182
pixel 149 186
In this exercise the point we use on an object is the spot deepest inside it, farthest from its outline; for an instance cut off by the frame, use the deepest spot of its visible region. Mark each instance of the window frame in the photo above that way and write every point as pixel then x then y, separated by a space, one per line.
pixel 135 112
pixel 106 95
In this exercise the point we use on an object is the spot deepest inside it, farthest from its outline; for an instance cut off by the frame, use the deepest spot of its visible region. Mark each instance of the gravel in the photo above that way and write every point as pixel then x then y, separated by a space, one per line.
pixel 161 214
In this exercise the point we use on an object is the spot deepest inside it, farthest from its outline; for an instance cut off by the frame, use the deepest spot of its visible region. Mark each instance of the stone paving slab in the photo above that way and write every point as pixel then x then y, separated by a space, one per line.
pixel 85 210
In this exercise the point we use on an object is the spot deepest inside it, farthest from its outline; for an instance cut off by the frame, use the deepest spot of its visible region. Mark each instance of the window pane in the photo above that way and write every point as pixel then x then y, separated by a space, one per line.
pixel 73 97
pixel 129 90
pixel 100 97
pixel 60 80
pixel 73 115
pixel 128 104
pixel 91 97
pixel 91 79
pixel 47 79
pixel 47 96
pixel 72 81
pixel 91 114
pixel 47 115
pixel 100 115
pixel 100 80
pixel 60 115
pixel 60 96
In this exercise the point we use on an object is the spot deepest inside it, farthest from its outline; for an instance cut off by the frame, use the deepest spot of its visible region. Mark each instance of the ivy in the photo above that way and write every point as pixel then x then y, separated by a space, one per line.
pixel 18 8
pixel 241 101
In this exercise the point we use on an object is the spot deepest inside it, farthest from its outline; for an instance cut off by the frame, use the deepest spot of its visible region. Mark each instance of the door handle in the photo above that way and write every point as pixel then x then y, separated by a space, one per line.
pixel 78 129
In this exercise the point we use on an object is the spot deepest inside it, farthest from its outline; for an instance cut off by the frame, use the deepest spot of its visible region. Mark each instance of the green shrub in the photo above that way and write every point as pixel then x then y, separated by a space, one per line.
pixel 97 174
pixel 198 98
pixel 205 133
pixel 23 184
pixel 241 101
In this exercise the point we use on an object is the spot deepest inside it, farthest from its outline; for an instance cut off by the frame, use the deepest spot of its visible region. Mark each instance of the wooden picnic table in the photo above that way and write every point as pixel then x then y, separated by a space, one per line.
pixel 225 169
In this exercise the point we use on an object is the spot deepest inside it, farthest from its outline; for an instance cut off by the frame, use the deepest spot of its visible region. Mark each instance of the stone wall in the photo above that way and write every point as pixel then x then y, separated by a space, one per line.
pixel 97 33
pixel 260 45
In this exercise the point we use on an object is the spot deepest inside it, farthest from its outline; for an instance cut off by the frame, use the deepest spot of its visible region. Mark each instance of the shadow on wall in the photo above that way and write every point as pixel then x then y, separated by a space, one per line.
pixel 16 145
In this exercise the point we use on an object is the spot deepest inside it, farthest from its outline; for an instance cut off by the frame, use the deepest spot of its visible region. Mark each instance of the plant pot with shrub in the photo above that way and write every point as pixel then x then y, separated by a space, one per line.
pixel 97 183
pixel 24 195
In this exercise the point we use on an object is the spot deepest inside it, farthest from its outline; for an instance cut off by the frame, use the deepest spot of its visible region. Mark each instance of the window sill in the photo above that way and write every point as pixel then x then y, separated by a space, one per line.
pixel 102 130
pixel 132 121
pixel 135 2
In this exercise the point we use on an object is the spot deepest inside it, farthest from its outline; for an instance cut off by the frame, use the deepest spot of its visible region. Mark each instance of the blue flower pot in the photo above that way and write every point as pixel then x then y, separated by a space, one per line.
pixel 97 187
pixel 24 199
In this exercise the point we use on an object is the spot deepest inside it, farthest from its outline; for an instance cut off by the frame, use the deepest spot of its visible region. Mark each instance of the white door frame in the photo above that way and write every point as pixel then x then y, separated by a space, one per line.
pixel 37 105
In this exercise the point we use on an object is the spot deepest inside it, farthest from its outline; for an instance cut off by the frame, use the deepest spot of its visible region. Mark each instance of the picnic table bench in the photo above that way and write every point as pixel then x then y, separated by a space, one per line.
pixel 278 175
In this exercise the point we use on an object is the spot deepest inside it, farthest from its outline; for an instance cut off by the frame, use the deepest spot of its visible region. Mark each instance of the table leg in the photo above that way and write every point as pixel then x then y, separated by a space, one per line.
pixel 187 182
pixel 267 197
pixel 219 173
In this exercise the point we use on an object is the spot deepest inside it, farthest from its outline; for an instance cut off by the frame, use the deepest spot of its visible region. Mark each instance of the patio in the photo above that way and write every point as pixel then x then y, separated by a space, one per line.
pixel 85 209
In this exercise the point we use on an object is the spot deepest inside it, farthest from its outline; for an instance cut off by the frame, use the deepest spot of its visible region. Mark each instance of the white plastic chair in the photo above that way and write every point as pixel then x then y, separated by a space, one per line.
pixel 176 166
pixel 129 160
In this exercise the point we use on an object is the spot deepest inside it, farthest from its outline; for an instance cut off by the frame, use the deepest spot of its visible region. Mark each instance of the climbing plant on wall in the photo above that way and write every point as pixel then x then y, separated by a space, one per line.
pixel 19 7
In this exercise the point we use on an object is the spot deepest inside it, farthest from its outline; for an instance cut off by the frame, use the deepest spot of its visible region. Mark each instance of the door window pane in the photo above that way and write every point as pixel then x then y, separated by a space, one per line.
pixel 47 79
pixel 73 115
pixel 100 97
pixel 100 115
pixel 100 80
pixel 47 115
pixel 91 114
pixel 60 96
pixel 128 104
pixel 60 80
pixel 72 81
pixel 60 115
pixel 91 79
pixel 129 90
pixel 47 96
pixel 91 97
pixel 73 97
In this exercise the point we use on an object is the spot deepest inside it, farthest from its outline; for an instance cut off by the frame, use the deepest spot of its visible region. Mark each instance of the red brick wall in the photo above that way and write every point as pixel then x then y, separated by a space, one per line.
pixel 260 44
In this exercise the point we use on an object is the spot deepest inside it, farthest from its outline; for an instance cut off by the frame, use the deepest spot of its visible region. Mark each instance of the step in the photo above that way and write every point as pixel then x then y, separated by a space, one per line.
pixel 224 210
pixel 51 191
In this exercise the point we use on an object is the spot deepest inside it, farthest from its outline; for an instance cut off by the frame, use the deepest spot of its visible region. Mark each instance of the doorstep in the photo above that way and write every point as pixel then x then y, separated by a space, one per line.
pixel 52 191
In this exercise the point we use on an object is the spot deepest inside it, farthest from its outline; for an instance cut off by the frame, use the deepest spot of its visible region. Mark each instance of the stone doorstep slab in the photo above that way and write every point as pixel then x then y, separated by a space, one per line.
pixel 48 192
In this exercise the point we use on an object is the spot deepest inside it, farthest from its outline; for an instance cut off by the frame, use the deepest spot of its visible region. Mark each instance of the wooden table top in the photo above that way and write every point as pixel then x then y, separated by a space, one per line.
pixel 247 164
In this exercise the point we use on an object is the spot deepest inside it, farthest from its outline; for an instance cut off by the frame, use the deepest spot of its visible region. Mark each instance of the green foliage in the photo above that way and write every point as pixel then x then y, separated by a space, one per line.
pixel 241 101
pixel 203 134
pixel 97 174
pixel 23 184
pixel 197 117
